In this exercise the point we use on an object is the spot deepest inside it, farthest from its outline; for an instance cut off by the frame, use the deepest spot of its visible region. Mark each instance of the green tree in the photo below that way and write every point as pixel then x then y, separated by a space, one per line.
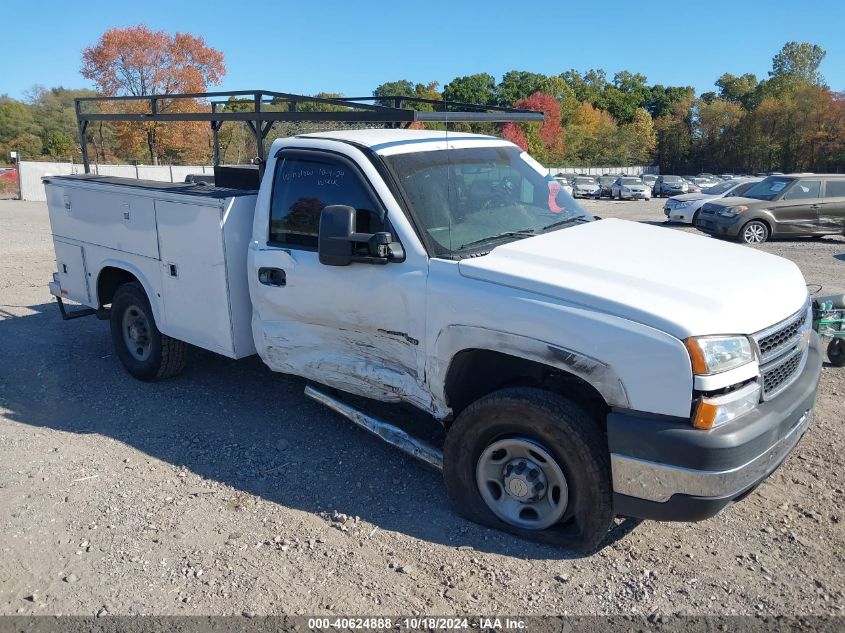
pixel 738 89
pixel 478 88
pixel 519 84
pixel 15 119
pixel 59 144
pixel 798 61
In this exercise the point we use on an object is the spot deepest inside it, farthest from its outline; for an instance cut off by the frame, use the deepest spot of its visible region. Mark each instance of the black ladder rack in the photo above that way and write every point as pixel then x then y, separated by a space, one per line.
pixel 260 121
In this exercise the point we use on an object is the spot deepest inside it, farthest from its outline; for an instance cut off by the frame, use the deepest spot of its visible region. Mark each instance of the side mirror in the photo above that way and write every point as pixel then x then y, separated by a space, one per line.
pixel 339 244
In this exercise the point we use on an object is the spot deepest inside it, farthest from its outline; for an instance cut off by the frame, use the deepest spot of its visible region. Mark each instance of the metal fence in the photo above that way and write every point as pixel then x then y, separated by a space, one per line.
pixel 31 173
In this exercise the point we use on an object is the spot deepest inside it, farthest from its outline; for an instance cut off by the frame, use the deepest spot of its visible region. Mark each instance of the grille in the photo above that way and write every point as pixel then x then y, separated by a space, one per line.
pixel 779 339
pixel 779 376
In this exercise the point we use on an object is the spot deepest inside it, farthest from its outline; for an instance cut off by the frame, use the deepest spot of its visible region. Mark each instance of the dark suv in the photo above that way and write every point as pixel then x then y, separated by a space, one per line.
pixel 779 206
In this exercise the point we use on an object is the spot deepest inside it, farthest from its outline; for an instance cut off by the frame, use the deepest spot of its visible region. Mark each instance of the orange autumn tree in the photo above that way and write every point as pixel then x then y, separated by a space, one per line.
pixel 136 61
pixel 544 140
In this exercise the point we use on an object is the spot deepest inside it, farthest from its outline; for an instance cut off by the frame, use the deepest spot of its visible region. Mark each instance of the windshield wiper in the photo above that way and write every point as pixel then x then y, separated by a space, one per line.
pixel 492 238
pixel 572 220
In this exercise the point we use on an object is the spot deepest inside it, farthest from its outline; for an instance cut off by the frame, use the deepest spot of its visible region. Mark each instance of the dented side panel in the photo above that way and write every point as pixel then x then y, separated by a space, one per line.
pixel 357 328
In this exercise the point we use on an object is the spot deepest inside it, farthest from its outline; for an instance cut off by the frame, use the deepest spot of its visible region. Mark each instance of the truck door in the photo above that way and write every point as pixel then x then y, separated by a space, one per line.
pixel 358 328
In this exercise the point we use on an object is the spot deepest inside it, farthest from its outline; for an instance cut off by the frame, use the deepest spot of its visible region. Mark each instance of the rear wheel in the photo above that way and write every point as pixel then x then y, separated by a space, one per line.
pixel 755 232
pixel 836 352
pixel 145 352
pixel 532 463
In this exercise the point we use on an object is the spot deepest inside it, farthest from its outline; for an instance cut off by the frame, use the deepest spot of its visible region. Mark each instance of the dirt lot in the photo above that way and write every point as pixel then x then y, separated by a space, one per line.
pixel 215 492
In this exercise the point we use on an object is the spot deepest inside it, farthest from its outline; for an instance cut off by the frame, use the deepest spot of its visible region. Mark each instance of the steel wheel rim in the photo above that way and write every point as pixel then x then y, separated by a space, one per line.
pixel 136 333
pixel 505 491
pixel 755 233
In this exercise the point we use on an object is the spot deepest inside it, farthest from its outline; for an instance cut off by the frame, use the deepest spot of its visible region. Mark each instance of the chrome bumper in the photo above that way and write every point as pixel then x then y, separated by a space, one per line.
pixel 657 482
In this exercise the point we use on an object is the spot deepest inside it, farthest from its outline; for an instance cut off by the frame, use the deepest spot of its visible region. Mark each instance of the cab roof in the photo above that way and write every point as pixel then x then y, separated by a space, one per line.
pixel 395 141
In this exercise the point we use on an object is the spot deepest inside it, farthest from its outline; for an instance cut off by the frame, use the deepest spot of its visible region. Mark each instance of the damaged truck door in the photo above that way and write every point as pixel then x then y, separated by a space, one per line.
pixel 358 328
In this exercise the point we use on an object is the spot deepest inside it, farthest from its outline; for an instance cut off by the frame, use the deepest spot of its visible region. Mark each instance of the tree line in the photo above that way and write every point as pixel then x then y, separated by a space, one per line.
pixel 789 121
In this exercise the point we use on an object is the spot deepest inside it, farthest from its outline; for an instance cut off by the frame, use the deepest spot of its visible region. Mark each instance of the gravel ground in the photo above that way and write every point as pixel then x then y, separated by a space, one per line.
pixel 226 491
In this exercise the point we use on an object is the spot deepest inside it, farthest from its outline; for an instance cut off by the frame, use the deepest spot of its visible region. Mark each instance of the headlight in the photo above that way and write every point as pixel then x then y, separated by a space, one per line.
pixel 684 205
pixel 626 190
pixel 715 354
pixel 730 212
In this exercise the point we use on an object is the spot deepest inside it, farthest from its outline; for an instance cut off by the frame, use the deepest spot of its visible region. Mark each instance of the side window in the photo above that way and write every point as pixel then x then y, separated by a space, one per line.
pixel 741 189
pixel 803 190
pixel 835 188
pixel 303 186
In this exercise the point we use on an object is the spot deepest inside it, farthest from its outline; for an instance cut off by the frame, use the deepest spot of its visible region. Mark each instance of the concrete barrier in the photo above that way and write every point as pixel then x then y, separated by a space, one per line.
pixel 32 171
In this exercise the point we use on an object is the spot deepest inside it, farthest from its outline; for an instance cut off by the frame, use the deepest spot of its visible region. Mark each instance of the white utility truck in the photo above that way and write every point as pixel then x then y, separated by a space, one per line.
pixel 582 368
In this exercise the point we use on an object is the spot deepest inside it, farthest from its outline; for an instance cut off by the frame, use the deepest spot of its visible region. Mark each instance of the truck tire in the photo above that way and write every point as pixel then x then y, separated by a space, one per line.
pixel 145 352
pixel 532 463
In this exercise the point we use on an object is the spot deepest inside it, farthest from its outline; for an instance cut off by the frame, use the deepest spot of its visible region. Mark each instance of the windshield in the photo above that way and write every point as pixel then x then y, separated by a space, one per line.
pixel 585 181
pixel 672 179
pixel 473 199
pixel 607 180
pixel 721 187
pixel 631 181
pixel 768 189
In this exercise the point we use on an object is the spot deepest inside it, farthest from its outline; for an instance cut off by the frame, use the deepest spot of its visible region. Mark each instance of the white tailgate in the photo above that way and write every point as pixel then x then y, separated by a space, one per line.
pixel 73 278
pixel 193 273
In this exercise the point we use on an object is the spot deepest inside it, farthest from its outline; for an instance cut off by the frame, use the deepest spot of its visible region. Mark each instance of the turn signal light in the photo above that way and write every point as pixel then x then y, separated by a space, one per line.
pixel 705 415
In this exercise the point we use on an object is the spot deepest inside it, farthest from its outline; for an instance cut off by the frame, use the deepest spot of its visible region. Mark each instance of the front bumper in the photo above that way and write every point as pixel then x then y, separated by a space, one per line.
pixel 679 215
pixel 667 470
pixel 718 225
pixel 635 195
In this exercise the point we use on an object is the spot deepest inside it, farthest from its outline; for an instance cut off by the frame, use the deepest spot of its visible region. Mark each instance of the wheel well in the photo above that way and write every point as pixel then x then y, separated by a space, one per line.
pixel 110 279
pixel 476 372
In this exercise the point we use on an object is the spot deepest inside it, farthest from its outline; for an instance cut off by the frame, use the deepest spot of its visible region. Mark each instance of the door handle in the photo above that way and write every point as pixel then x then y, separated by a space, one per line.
pixel 815 206
pixel 272 277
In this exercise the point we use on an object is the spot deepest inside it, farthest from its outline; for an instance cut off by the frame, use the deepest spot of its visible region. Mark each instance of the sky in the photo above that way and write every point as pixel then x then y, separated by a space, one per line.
pixel 351 47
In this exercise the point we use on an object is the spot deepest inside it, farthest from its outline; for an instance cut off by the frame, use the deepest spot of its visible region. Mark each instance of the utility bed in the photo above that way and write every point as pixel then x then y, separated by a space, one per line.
pixel 187 243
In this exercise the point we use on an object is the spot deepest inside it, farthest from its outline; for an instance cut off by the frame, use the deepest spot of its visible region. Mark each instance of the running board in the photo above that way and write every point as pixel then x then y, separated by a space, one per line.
pixel 391 434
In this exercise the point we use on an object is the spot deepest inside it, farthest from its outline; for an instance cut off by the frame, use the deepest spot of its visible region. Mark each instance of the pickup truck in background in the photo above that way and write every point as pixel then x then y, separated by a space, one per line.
pixel 579 371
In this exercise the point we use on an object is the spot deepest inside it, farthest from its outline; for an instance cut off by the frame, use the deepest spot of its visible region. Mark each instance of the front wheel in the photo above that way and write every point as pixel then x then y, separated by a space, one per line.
pixel 145 352
pixel 755 232
pixel 836 352
pixel 532 463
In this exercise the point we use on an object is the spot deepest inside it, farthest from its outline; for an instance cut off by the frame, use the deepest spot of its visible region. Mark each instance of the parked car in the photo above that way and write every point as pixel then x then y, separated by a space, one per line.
pixel 684 208
pixel 669 186
pixel 779 206
pixel 584 187
pixel 9 174
pixel 630 188
pixel 565 183
pixel 649 179
pixel 605 185
pixel 691 186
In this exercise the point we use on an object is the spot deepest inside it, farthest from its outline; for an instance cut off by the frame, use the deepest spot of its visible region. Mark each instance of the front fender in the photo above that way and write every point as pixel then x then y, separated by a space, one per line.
pixel 457 338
